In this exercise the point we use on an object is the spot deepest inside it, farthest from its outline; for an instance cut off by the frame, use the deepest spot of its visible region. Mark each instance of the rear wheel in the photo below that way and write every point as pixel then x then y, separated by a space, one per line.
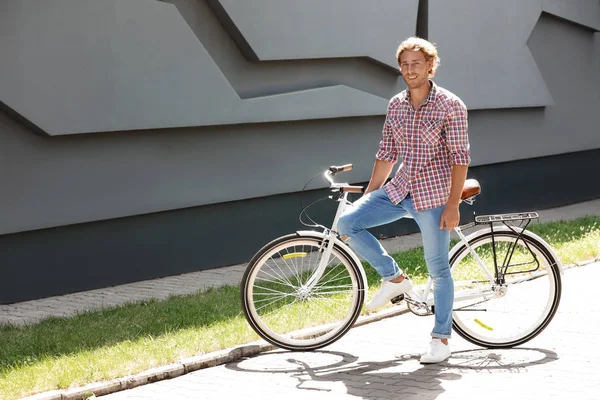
pixel 284 310
pixel 514 312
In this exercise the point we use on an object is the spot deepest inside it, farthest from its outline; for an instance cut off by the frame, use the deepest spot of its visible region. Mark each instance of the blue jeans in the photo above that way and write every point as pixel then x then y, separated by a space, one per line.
pixel 376 209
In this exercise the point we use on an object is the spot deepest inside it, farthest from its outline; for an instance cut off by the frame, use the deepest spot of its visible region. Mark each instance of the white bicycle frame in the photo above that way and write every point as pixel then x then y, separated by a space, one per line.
pixel 330 237
pixel 423 297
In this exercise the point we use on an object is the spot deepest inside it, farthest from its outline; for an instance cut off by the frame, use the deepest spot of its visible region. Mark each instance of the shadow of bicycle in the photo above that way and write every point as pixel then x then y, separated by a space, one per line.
pixel 403 376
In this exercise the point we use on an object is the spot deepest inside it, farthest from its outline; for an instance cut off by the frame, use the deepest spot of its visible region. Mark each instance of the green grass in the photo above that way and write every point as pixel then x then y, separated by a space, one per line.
pixel 64 352
pixel 575 240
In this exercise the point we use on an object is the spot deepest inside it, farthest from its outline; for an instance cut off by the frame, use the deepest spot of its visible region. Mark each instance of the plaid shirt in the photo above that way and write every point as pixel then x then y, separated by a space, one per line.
pixel 429 140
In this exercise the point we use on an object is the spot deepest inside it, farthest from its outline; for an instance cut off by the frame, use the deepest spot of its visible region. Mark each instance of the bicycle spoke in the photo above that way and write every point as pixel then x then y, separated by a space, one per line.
pixel 274 302
pixel 294 270
pixel 519 306
pixel 269 294
pixel 275 280
pixel 281 276
pixel 282 303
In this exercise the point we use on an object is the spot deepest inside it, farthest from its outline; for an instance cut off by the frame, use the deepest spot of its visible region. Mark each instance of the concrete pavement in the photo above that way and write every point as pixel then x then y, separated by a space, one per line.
pixel 380 361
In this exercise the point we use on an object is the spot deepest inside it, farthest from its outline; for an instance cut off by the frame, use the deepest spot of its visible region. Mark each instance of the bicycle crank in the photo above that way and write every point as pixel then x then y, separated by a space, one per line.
pixel 419 308
pixel 416 307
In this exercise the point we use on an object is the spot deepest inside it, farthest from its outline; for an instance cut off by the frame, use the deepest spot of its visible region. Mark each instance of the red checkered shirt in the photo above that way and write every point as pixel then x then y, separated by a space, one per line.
pixel 429 141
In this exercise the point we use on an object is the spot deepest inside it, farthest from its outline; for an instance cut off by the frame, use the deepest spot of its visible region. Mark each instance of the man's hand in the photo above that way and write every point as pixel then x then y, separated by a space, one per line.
pixel 450 217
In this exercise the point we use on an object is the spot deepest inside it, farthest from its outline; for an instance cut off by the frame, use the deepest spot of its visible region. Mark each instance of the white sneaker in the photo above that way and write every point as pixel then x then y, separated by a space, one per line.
pixel 388 291
pixel 437 352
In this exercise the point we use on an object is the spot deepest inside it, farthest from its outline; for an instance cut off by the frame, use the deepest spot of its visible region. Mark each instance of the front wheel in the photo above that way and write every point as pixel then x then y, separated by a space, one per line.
pixel 521 305
pixel 284 310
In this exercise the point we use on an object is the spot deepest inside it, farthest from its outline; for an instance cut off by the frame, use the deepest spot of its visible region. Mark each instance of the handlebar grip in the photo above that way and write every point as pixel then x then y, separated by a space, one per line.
pixel 342 168
pixel 354 189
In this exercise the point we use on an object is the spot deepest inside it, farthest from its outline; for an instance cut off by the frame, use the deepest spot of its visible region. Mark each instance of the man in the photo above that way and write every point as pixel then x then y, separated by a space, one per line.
pixel 426 126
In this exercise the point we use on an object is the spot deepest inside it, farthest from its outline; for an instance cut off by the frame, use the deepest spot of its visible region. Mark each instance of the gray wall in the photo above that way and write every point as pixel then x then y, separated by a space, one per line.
pixel 124 108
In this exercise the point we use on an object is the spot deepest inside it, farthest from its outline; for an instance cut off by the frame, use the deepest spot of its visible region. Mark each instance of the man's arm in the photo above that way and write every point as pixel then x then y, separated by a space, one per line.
pixel 451 215
pixel 381 171
pixel 386 157
pixel 457 139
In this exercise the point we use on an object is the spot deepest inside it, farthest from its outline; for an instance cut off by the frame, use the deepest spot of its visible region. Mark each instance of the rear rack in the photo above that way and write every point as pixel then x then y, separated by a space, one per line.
pixel 489 219
pixel 517 223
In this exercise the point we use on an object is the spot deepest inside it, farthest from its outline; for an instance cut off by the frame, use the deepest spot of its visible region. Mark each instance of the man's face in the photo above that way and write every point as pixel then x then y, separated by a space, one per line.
pixel 414 67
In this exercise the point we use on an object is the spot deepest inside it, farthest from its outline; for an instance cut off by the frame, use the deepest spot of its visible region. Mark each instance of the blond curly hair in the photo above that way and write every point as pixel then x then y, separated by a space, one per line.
pixel 415 44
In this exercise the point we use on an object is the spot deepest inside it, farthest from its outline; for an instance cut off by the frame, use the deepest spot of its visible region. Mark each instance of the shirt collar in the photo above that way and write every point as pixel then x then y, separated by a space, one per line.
pixel 431 97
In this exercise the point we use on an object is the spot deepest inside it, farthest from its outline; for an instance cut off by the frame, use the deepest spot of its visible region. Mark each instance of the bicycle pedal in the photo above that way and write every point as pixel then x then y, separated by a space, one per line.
pixel 397 299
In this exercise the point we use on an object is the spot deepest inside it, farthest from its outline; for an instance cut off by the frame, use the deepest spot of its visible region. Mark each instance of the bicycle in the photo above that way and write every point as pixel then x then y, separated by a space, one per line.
pixel 305 290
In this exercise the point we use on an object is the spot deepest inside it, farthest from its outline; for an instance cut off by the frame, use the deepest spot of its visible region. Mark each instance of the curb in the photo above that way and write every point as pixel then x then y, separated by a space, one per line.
pixel 583 263
pixel 186 365
pixel 170 371
pixel 208 360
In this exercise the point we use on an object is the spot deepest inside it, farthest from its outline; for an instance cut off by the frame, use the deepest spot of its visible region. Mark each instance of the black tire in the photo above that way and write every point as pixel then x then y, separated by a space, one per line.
pixel 529 314
pixel 278 306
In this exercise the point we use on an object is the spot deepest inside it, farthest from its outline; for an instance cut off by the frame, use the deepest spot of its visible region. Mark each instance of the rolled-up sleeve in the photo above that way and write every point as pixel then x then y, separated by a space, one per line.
pixel 388 148
pixel 457 135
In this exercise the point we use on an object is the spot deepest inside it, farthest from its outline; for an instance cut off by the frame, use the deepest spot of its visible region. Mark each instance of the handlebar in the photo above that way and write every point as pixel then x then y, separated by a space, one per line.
pixel 342 168
pixel 343 187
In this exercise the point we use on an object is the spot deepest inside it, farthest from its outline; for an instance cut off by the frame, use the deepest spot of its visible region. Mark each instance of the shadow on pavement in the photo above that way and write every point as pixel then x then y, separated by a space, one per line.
pixel 338 372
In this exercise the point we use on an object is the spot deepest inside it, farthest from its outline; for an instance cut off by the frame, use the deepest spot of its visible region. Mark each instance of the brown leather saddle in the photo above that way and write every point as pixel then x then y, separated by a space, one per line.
pixel 471 189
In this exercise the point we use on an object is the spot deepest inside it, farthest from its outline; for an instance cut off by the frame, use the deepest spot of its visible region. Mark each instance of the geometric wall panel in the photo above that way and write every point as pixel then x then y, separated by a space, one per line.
pixel 288 29
pixel 558 47
pixel 484 54
pixel 583 12
pixel 253 78
pixel 79 66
